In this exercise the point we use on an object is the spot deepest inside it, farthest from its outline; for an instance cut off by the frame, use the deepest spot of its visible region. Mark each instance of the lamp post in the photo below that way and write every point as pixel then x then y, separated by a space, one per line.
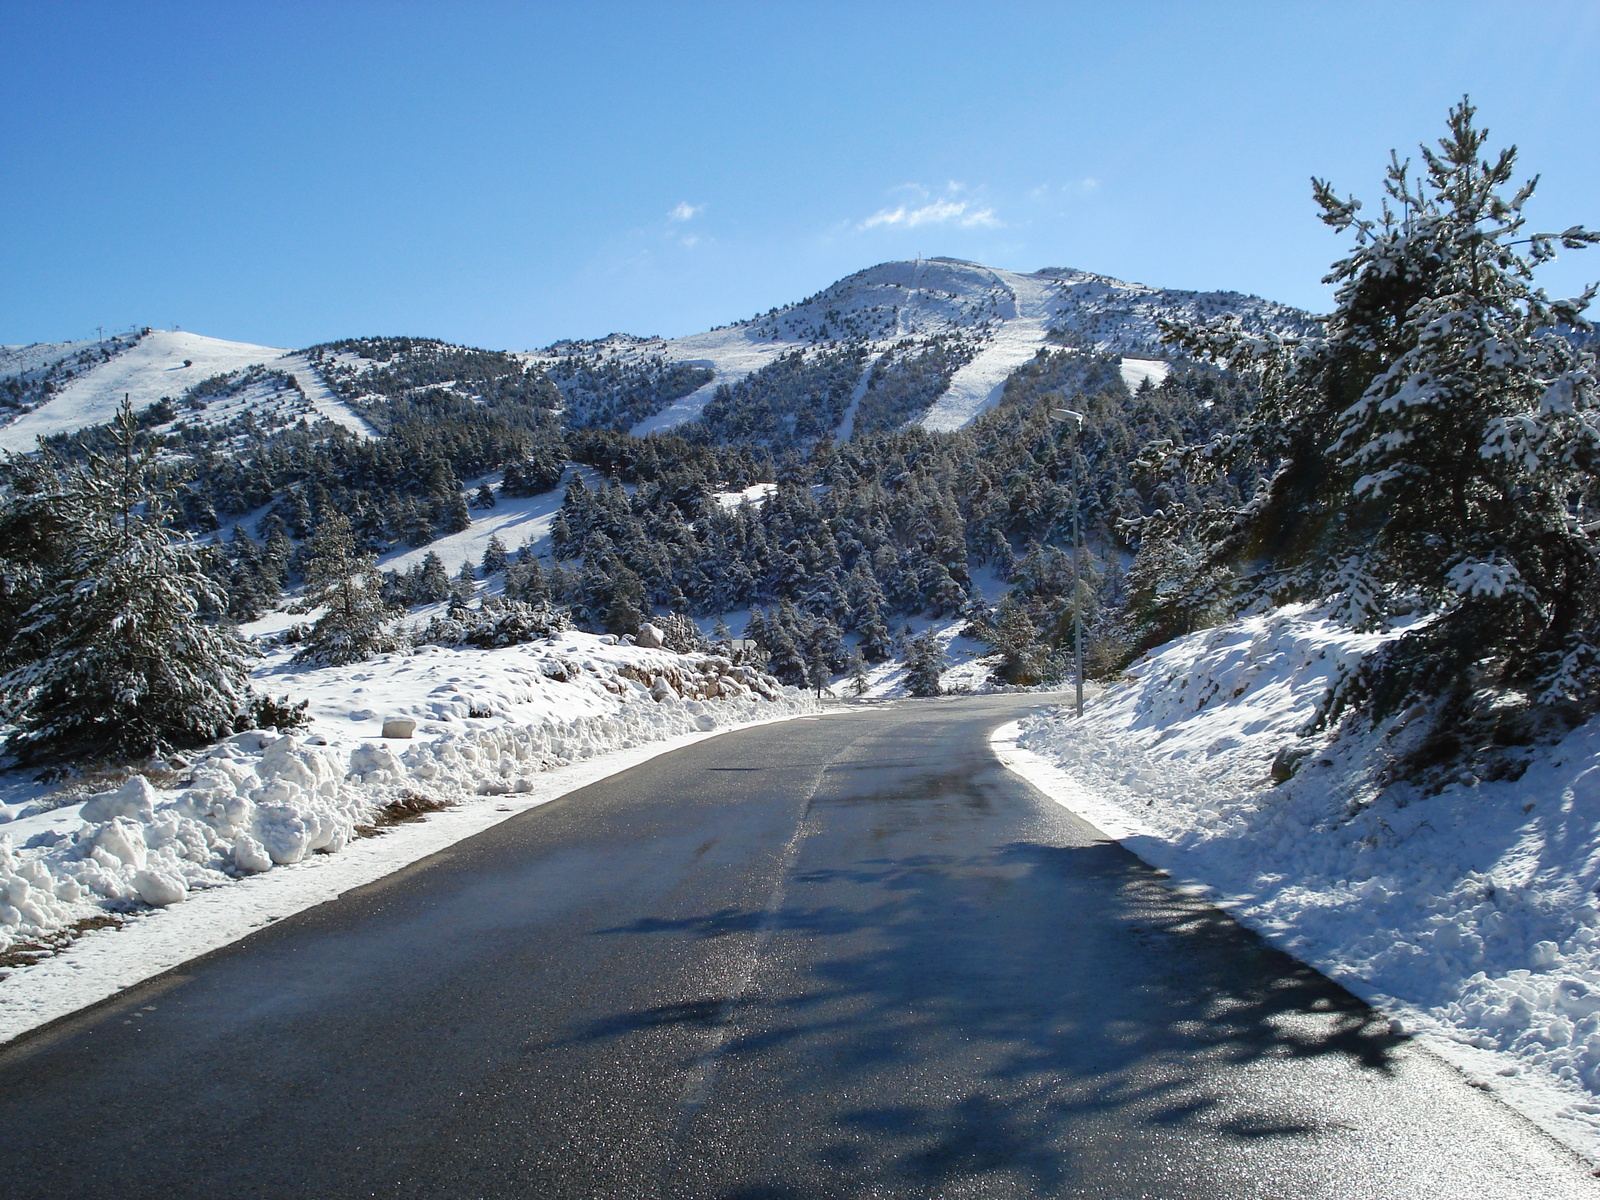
pixel 1077 558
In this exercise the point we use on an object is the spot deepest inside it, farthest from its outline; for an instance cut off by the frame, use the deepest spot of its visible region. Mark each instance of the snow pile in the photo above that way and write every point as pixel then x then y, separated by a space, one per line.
pixel 489 721
pixel 1470 914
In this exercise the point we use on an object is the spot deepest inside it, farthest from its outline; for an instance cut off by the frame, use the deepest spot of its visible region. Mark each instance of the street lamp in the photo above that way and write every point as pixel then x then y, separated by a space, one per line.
pixel 1077 557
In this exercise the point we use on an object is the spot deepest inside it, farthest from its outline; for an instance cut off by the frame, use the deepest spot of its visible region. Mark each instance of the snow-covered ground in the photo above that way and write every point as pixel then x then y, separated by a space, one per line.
pixel 150 369
pixel 755 494
pixel 1136 371
pixel 1470 916
pixel 321 397
pixel 488 726
pixel 517 521
pixel 34 359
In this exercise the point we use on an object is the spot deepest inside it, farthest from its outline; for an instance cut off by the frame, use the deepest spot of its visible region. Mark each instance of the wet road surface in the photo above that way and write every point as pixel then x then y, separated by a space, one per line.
pixel 848 956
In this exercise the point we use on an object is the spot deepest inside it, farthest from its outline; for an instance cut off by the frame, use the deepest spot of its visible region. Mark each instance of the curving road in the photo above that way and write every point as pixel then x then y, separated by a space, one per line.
pixel 847 956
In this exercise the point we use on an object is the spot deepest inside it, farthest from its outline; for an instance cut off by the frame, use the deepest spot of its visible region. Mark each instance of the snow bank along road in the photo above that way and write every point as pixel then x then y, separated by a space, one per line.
pixel 846 955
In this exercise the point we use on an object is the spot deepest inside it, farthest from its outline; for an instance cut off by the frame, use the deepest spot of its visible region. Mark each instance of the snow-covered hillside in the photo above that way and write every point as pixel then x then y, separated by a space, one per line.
pixel 1470 915
pixel 1002 317
pixel 157 365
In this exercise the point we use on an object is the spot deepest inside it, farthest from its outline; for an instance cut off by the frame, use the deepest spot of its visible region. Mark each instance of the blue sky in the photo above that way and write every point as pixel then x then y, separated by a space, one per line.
pixel 508 174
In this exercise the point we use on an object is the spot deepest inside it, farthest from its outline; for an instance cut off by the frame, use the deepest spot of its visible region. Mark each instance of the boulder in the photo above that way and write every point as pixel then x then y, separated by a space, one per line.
pixel 1287 761
pixel 650 637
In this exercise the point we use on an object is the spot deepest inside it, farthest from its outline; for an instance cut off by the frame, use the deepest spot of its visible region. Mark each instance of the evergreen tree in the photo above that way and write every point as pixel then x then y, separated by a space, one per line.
pixel 1013 636
pixel 454 515
pixel 345 583
pixel 495 558
pixel 1434 446
pixel 465 585
pixel 877 643
pixel 109 659
pixel 681 634
pixel 925 664
pixel 855 671
pixel 817 669
pixel 413 525
pixel 780 639
pixel 433 585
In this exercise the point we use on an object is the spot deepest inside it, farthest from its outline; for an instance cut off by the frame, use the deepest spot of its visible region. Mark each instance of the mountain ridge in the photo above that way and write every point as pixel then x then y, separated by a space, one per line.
pixel 943 335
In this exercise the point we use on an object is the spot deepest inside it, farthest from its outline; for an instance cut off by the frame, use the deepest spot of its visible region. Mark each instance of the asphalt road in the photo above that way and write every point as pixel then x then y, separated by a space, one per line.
pixel 848 956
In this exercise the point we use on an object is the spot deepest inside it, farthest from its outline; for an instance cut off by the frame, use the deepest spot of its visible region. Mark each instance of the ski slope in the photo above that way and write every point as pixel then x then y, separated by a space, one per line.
pixel 161 364
pixel 1022 333
pixel 731 353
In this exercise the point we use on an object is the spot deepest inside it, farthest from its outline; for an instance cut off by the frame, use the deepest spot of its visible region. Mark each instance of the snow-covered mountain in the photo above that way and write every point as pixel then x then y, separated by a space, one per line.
pixel 58 387
pixel 940 336
pixel 989 320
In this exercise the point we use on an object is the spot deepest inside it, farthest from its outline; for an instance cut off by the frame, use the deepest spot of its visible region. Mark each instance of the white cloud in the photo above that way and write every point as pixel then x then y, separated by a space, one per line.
pixel 940 212
pixel 684 211
pixel 1077 187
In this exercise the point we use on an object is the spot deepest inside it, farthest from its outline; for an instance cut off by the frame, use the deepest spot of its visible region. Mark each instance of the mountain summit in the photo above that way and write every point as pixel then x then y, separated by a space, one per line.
pixel 980 324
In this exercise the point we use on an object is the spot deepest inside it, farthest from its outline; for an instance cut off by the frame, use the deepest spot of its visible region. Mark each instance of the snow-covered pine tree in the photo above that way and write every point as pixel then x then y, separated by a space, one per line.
pixel 346 584
pixel 109 661
pixel 877 642
pixel 433 584
pixel 495 558
pixel 925 663
pixel 780 639
pixel 855 672
pixel 464 587
pixel 525 581
pixel 681 634
pixel 817 672
pixel 412 524
pixel 1435 447
pixel 1022 652
pixel 453 515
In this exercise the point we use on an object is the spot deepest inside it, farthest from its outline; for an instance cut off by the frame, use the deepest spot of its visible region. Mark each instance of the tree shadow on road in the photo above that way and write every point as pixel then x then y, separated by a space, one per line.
pixel 1014 1012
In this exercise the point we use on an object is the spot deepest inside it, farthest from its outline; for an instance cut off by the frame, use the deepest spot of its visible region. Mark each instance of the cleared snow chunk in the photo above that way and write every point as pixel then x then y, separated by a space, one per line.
pixel 160 888
pixel 250 855
pixel 135 799
pixel 1576 999
pixel 122 840
pixel 399 727
pixel 284 833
